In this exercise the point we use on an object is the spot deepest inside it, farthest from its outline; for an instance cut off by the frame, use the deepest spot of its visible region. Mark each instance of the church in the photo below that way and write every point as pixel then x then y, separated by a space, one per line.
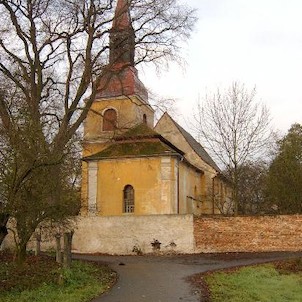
pixel 145 186
pixel 132 166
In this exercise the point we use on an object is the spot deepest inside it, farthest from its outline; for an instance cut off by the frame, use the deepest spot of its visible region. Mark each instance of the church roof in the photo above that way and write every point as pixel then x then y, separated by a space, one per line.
pixel 123 81
pixel 136 142
pixel 139 131
pixel 134 149
pixel 196 146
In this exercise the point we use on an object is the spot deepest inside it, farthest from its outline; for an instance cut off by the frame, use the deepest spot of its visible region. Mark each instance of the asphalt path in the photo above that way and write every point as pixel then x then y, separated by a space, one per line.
pixel 163 278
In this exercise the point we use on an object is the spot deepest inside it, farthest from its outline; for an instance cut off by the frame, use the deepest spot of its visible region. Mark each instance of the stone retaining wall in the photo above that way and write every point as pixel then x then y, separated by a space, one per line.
pixel 118 235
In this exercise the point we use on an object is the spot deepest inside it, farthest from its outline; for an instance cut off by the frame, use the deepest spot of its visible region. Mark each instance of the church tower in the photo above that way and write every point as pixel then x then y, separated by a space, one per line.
pixel 122 99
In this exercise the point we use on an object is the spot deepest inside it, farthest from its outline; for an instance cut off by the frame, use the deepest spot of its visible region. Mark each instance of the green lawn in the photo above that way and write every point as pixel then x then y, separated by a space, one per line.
pixel 265 283
pixel 44 280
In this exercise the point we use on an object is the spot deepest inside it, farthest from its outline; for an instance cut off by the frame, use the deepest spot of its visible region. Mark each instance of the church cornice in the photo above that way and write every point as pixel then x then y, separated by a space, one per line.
pixel 169 154
pixel 131 98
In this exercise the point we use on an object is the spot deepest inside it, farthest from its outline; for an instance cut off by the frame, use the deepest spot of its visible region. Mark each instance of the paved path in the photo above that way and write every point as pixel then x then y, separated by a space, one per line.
pixel 162 278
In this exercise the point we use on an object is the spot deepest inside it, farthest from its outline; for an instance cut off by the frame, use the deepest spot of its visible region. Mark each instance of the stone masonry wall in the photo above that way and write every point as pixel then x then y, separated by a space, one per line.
pixel 120 234
pixel 248 234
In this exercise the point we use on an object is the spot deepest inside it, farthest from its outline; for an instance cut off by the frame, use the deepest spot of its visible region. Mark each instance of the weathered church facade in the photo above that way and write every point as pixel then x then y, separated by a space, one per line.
pixel 130 166
pixel 142 184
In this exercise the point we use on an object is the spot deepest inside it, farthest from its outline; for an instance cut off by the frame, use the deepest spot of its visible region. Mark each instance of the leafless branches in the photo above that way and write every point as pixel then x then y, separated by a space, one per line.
pixel 235 127
pixel 52 57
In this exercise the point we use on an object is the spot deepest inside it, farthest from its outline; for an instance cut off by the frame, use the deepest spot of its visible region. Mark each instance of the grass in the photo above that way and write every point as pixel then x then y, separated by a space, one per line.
pixel 277 282
pixel 42 280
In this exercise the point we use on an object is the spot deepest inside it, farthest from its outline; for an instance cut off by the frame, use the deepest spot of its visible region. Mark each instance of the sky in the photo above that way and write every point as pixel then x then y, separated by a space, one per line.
pixel 255 42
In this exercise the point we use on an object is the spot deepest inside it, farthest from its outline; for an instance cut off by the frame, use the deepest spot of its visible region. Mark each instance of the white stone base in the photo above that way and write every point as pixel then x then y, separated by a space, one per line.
pixel 120 234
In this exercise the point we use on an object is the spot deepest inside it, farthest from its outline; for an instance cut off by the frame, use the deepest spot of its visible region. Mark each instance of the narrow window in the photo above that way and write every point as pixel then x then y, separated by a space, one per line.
pixel 109 120
pixel 128 199
pixel 145 119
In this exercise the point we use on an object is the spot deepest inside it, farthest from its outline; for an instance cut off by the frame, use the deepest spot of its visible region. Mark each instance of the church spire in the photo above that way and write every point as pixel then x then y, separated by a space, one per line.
pixel 120 77
pixel 122 17
pixel 122 37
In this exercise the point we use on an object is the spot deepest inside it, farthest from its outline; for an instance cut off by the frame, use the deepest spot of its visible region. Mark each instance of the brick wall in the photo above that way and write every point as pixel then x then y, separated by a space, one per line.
pixel 248 234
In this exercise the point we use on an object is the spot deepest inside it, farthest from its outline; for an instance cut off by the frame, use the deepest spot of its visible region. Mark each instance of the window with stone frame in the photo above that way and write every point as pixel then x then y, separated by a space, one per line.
pixel 128 202
pixel 110 120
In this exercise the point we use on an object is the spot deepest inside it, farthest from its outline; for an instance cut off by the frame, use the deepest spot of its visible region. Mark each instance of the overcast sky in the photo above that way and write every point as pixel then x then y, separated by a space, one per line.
pixel 255 42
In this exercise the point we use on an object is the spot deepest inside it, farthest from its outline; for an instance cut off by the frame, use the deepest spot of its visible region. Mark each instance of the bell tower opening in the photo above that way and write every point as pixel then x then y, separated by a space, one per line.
pixel 109 120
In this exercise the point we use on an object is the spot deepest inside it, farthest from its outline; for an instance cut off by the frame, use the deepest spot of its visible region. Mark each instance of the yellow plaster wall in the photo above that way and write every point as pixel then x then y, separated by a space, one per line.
pixel 153 194
pixel 167 129
pixel 130 112
pixel 194 197
pixel 84 189
pixel 189 189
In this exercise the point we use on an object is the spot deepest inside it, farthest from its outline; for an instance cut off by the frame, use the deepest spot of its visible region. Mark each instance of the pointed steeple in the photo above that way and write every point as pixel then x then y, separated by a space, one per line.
pixel 120 77
pixel 122 17
pixel 122 37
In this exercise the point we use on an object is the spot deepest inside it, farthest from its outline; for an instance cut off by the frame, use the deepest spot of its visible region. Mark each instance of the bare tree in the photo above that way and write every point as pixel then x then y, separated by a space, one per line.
pixel 53 55
pixel 235 127
pixel 33 189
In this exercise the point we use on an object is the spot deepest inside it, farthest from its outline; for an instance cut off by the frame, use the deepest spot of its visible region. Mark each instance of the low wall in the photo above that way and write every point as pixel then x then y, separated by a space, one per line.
pixel 118 235
pixel 248 234
pixel 181 234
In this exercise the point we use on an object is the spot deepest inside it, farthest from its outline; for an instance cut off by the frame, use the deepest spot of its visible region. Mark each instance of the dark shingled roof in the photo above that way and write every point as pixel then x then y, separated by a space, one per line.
pixel 139 131
pixel 138 141
pixel 201 152
pixel 126 149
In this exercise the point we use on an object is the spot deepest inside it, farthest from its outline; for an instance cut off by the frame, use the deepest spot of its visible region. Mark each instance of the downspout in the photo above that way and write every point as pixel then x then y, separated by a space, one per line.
pixel 213 205
pixel 178 187
pixel 178 184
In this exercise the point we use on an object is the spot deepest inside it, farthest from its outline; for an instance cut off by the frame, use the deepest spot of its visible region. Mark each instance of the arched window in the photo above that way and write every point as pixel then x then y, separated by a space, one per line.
pixel 128 206
pixel 109 120
pixel 145 119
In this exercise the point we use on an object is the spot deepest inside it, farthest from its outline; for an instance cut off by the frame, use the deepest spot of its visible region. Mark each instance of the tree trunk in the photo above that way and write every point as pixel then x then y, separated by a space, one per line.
pixel 58 248
pixel 3 233
pixel 21 254
pixel 67 249
pixel 3 229
pixel 235 190
pixel 38 244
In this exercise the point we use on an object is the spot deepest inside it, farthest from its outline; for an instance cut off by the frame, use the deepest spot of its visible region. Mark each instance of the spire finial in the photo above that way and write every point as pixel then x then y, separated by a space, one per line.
pixel 122 19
